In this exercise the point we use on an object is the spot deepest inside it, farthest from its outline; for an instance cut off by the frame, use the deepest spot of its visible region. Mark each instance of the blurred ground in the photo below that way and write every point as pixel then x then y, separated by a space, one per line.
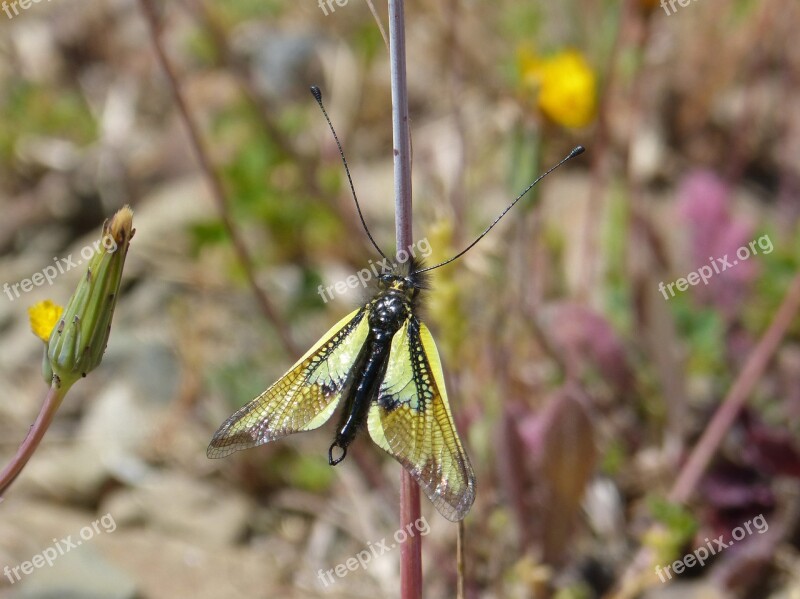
pixel 579 384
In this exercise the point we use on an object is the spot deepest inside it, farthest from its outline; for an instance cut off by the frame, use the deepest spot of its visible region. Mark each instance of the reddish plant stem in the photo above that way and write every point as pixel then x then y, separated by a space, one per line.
pixel 32 440
pixel 636 576
pixel 265 113
pixel 730 407
pixel 460 561
pixel 411 550
pixel 215 183
pixel 263 108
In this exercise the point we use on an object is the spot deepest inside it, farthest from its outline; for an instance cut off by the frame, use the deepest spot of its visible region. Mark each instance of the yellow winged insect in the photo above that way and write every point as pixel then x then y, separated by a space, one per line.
pixel 381 362
pixel 411 420
pixel 302 399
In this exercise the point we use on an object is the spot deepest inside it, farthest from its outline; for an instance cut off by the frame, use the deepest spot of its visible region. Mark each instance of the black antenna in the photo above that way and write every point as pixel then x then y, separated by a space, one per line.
pixel 315 91
pixel 577 151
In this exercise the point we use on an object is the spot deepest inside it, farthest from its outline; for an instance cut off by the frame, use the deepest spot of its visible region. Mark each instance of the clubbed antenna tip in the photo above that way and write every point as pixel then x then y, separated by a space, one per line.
pixel 576 151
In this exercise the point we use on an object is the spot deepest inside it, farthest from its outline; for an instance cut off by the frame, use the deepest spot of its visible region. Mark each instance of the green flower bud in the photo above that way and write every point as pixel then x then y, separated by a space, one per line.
pixel 77 343
pixel 47 371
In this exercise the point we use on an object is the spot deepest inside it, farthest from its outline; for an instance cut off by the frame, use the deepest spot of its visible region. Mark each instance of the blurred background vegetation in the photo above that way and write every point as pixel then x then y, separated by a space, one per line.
pixel 579 388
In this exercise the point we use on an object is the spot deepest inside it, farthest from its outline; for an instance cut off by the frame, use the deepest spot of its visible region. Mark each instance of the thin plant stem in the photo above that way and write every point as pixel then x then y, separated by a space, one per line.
pixel 401 136
pixel 377 18
pixel 215 183
pixel 264 112
pixel 460 561
pixel 599 161
pixel 411 550
pixel 51 402
pixel 456 88
pixel 736 397
pixel 263 109
pixel 636 577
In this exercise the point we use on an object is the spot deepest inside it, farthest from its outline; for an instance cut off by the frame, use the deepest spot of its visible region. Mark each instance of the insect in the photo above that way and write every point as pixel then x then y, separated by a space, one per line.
pixel 381 362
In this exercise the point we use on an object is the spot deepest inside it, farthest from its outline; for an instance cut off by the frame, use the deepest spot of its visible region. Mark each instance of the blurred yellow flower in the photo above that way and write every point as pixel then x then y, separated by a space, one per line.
pixel 44 316
pixel 566 84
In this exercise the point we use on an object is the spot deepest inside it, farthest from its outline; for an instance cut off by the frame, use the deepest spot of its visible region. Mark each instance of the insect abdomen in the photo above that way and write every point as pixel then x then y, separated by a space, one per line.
pixel 361 394
pixel 387 315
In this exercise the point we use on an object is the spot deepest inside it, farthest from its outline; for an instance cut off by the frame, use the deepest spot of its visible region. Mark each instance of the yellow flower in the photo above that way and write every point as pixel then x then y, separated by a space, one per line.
pixel 567 86
pixel 43 317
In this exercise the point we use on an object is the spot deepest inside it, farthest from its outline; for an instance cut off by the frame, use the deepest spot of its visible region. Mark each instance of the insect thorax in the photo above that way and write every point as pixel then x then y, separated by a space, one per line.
pixel 389 311
pixel 396 298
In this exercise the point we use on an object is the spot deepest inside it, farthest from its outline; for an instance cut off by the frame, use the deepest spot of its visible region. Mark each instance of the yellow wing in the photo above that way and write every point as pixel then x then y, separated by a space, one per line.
pixel 411 420
pixel 302 399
